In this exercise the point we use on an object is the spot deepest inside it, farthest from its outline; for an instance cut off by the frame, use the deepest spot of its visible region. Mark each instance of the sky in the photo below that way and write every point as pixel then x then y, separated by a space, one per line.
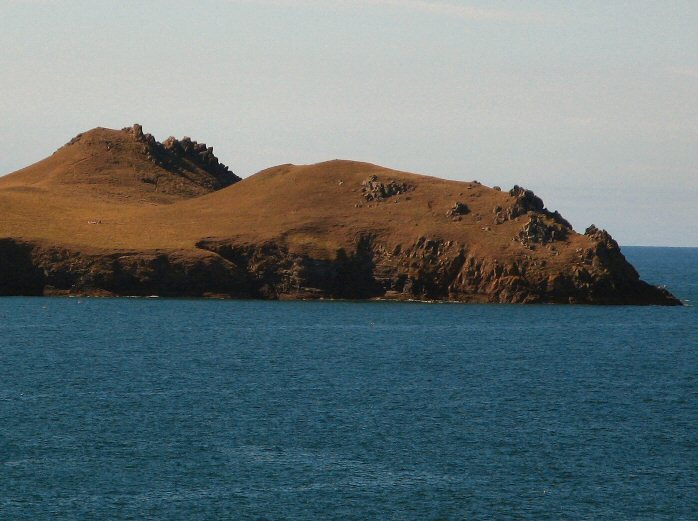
pixel 591 104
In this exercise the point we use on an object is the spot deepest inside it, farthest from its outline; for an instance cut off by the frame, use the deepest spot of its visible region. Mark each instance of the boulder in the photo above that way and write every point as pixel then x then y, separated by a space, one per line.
pixel 458 209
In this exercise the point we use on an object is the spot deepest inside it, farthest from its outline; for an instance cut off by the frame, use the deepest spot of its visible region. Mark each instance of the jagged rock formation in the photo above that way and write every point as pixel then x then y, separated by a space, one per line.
pixel 537 231
pixel 88 221
pixel 129 163
pixel 525 201
pixel 428 269
pixel 374 189
pixel 178 156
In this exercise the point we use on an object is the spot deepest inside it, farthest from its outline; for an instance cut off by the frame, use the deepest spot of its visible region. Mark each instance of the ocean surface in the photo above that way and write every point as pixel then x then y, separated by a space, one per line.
pixel 150 409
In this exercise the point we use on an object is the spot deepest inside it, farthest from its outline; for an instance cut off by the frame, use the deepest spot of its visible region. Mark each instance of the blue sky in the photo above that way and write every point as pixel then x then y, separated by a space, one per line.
pixel 593 105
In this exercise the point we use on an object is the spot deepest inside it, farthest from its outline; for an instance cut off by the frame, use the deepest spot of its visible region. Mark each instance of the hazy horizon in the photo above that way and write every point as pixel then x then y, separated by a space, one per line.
pixel 594 108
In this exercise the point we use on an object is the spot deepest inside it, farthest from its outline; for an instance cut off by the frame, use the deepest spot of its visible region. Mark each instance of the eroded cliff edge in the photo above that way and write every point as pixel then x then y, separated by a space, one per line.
pixel 428 269
pixel 339 229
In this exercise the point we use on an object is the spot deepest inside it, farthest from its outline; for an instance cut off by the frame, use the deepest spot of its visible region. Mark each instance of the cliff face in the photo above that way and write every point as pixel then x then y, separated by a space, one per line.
pixel 339 229
pixel 19 275
pixel 428 269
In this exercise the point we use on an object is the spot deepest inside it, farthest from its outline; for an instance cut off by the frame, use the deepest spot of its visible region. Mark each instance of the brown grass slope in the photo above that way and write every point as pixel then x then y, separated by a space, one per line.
pixel 104 175
pixel 115 212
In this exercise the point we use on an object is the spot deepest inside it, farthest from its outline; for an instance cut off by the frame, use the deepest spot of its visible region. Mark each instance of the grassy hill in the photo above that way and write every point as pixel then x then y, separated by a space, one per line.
pixel 124 206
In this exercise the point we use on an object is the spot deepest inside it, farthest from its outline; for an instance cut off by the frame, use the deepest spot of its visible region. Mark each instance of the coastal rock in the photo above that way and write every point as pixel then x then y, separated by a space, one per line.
pixel 426 269
pixel 19 275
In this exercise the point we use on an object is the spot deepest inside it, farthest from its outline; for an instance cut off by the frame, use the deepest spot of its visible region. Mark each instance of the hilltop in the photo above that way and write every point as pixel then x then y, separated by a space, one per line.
pixel 114 212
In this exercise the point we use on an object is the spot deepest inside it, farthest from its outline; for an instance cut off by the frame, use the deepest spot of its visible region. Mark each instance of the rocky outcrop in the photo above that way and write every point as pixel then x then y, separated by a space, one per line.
pixel 458 209
pixel 539 232
pixel 175 154
pixel 129 160
pixel 373 189
pixel 524 202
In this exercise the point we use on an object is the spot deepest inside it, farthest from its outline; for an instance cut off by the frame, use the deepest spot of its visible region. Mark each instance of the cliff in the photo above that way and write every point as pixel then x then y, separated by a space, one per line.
pixel 117 213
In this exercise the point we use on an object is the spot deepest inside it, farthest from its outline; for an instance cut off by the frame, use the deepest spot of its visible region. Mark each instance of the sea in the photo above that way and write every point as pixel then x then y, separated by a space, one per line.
pixel 181 409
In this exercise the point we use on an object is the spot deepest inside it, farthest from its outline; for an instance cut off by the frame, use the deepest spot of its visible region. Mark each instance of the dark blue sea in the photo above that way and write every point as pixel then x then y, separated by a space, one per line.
pixel 153 409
